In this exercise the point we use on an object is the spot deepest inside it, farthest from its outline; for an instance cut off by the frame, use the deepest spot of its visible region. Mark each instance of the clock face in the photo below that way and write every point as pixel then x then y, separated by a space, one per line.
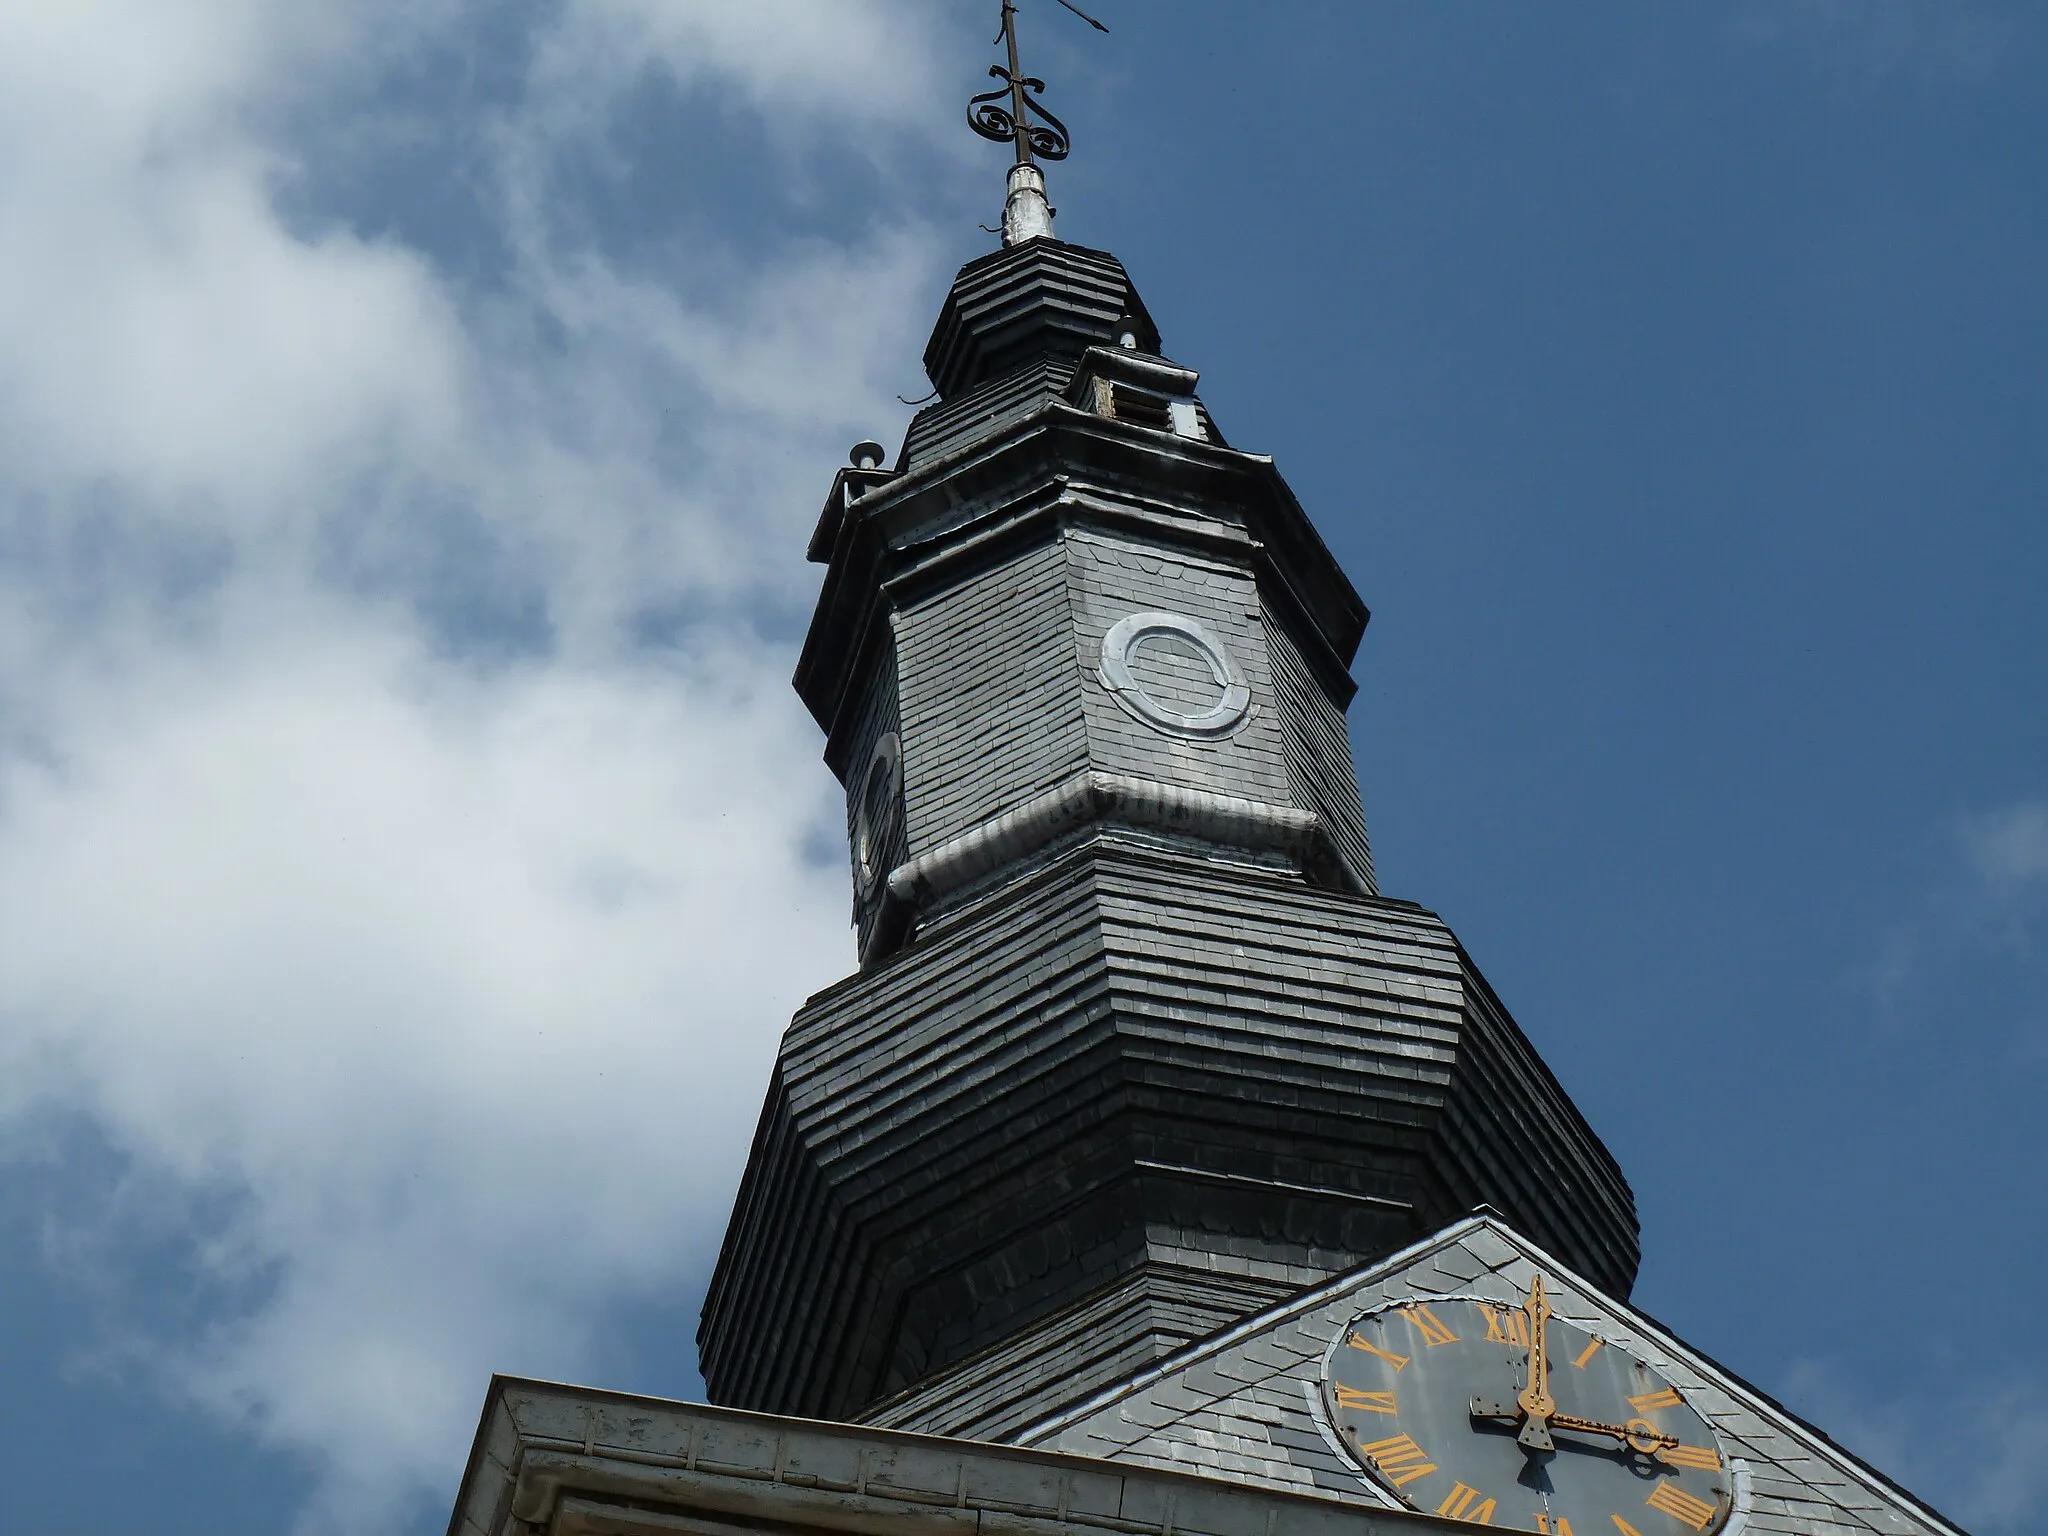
pixel 1435 1400
pixel 874 811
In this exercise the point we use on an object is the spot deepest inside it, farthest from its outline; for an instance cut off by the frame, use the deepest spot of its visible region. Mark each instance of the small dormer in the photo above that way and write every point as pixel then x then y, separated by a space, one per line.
pixel 1124 384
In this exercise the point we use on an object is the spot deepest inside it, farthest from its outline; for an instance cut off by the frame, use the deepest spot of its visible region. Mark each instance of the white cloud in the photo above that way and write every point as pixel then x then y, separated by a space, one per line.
pixel 431 984
pixel 2006 853
pixel 2012 1478
pixel 1867 43
pixel 2008 848
pixel 1989 900
pixel 859 59
pixel 1980 1450
pixel 158 328
pixel 457 986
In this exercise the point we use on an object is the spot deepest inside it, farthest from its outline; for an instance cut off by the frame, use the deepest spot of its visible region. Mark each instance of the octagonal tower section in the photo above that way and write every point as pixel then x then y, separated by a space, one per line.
pixel 1069 602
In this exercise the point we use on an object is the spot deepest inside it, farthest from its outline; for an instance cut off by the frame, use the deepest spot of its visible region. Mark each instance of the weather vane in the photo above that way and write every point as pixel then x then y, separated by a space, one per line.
pixel 1025 122
pixel 1046 139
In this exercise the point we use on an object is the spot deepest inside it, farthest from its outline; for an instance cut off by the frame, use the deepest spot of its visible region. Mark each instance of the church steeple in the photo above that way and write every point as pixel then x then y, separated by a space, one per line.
pixel 1154 1171
pixel 1136 1047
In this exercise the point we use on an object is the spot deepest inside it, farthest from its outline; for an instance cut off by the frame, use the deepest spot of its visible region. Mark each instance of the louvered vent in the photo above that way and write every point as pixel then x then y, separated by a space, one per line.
pixel 1140 408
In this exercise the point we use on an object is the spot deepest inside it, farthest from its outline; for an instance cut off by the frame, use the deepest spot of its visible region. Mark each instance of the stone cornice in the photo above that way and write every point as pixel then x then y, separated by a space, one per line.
pixel 573 1461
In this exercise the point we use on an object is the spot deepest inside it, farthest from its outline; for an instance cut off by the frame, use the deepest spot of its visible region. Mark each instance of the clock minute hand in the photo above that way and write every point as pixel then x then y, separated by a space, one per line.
pixel 1535 1401
pixel 1637 1434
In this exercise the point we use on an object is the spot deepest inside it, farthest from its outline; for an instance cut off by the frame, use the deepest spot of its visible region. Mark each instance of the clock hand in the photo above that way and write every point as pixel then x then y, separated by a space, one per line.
pixel 1535 1401
pixel 1638 1434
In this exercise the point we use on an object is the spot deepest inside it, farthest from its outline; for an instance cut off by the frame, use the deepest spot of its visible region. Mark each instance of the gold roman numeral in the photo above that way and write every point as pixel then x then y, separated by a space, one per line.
pixel 1681 1506
pixel 1624 1527
pixel 1360 1341
pixel 1463 1503
pixel 1587 1353
pixel 1371 1402
pixel 1430 1326
pixel 1697 1456
pixel 1664 1397
pixel 1554 1525
pixel 1400 1458
pixel 1505 1325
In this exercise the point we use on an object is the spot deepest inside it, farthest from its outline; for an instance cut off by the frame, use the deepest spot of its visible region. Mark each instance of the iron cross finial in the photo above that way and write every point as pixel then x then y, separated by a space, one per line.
pixel 1044 139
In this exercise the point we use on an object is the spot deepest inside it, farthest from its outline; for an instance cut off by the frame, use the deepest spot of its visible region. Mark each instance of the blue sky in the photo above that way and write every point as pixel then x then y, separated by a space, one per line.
pixel 410 419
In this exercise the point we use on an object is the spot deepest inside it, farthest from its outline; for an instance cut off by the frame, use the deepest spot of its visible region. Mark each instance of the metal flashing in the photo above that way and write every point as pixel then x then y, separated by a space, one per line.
pixel 1095 796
